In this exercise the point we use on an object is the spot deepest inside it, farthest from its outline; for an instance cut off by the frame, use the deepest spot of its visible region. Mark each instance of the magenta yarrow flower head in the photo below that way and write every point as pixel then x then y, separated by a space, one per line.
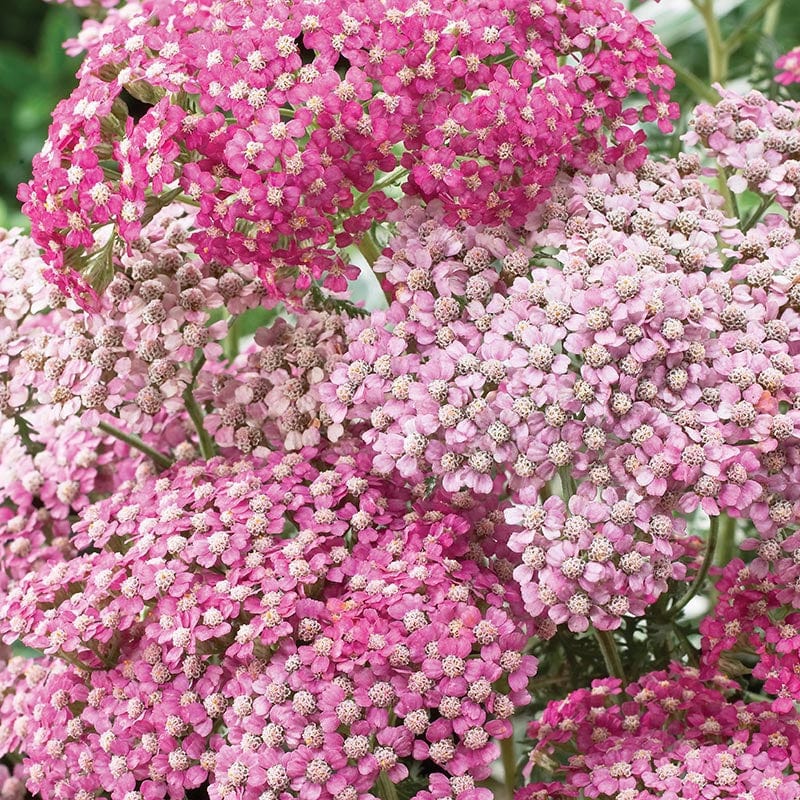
pixel 455 788
pixel 757 613
pixel 280 122
pixel 667 734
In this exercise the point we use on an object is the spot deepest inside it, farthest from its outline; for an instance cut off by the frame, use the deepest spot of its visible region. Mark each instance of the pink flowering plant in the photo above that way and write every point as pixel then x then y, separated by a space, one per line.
pixel 525 523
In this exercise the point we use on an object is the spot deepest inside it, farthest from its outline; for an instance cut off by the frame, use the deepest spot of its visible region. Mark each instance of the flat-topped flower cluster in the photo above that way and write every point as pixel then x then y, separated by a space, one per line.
pixel 611 345
pixel 668 734
pixel 286 123
pixel 221 628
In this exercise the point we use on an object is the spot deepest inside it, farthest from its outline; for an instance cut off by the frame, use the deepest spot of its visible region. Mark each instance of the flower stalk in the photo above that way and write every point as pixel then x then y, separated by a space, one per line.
pixel 159 459
pixel 386 789
pixel 702 573
pixel 508 755
pixel 205 442
pixel 611 655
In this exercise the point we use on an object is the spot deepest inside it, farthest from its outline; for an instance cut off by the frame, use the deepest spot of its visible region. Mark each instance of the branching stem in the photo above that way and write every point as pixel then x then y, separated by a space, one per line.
pixel 717 52
pixel 611 655
pixel 700 578
pixel 369 249
pixel 206 443
pixel 159 459
pixel 509 757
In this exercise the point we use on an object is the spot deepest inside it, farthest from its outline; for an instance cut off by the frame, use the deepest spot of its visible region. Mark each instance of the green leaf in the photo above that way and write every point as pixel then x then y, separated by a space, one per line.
pixel 26 433
pixel 98 269
pixel 257 318
pixel 19 649
pixel 156 203
pixel 408 788
pixel 145 92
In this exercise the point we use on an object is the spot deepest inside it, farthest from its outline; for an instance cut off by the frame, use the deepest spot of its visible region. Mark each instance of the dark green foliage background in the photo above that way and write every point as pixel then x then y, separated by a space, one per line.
pixel 35 73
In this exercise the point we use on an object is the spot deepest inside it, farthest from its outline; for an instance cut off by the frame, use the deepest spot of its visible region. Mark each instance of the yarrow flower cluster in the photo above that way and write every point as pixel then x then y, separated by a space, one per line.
pixel 206 646
pixel 756 615
pixel 271 391
pixel 278 121
pixel 50 468
pixel 669 734
pixel 497 338
pixel 260 541
pixel 607 346
pixel 757 141
pixel 158 336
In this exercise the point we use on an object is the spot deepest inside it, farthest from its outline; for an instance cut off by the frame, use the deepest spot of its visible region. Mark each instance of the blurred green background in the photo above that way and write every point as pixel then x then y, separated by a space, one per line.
pixel 35 73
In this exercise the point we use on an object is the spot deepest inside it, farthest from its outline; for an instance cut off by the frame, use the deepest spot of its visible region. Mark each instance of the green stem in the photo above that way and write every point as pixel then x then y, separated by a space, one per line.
pixel 700 578
pixel 230 344
pixel 771 17
pixel 197 366
pixel 369 249
pixel 155 203
pixel 717 52
pixel 688 647
pixel 509 757
pixel 207 449
pixel 755 217
pixel 568 487
pixel 701 91
pixel 731 206
pixel 159 459
pixel 75 661
pixel 608 647
pixel 727 542
pixel 768 28
pixel 765 203
pixel 385 789
pixel 393 178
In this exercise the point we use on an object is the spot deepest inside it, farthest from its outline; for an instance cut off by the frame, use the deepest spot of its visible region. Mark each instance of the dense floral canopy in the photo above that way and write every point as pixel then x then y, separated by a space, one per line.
pixel 261 541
